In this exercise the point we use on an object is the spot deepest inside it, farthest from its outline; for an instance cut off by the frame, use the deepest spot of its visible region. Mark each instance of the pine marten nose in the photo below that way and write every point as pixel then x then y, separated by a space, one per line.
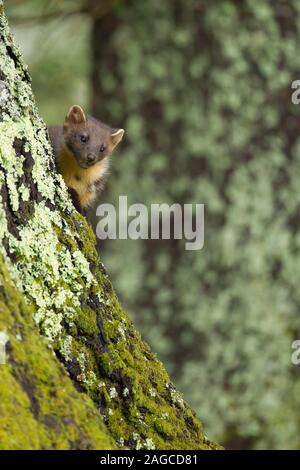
pixel 91 158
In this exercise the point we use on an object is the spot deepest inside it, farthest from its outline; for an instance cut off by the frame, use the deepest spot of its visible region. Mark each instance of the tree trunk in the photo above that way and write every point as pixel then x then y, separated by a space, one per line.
pixel 73 360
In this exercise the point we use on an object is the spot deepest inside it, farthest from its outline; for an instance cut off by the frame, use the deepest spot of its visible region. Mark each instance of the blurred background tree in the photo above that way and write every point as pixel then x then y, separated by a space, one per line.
pixel 203 90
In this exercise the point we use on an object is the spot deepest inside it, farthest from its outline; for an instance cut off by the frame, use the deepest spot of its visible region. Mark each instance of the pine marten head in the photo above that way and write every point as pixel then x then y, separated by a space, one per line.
pixel 88 139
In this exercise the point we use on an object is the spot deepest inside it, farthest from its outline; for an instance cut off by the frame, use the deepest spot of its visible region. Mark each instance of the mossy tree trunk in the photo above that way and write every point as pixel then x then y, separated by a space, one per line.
pixel 74 359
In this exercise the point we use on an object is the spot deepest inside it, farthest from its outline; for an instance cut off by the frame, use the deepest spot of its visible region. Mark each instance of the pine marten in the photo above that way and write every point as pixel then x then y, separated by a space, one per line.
pixel 82 147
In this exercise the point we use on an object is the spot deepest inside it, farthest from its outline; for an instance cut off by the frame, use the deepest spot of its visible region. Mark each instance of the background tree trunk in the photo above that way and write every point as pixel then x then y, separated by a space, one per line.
pixel 59 287
pixel 203 90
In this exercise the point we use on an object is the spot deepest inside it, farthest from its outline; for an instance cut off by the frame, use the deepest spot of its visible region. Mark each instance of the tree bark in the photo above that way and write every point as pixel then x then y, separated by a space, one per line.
pixel 74 359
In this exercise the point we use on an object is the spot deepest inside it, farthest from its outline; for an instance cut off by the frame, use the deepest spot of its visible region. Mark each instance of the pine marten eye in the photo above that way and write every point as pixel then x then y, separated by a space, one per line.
pixel 84 138
pixel 102 148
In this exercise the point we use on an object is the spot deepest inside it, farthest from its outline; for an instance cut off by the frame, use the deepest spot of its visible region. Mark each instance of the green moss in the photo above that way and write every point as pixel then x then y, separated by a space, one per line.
pixel 39 407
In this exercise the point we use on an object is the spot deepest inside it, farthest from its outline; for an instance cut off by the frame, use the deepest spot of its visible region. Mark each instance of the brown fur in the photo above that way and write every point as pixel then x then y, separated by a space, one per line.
pixel 86 182
pixel 83 165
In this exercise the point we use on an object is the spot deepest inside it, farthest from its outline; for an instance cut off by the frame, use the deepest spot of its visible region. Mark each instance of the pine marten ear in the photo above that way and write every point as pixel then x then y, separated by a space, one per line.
pixel 76 115
pixel 116 136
